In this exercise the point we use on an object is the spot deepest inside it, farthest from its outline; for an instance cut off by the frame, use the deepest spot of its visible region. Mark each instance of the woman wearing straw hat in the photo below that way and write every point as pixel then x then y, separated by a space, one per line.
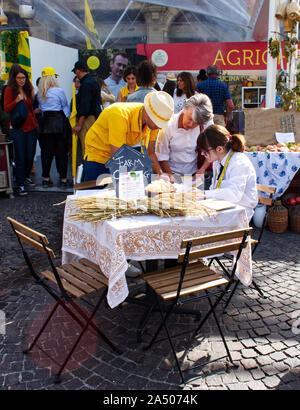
pixel 53 136
pixel 131 124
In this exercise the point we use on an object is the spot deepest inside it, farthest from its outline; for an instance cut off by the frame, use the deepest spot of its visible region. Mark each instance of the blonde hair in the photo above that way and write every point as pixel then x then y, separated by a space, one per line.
pixel 45 83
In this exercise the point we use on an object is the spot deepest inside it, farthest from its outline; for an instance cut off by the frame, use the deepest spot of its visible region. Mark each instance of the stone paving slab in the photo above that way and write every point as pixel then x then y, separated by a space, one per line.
pixel 263 334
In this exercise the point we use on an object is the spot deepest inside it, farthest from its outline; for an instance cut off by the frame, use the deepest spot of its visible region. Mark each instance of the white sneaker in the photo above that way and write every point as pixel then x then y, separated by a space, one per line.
pixel 133 271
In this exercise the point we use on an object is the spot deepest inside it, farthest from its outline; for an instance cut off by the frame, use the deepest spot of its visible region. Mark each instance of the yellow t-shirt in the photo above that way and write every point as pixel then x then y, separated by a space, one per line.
pixel 118 124
pixel 125 92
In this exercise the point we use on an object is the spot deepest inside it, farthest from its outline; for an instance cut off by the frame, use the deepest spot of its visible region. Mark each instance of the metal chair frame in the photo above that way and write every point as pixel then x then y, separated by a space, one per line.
pixel 212 286
pixel 63 296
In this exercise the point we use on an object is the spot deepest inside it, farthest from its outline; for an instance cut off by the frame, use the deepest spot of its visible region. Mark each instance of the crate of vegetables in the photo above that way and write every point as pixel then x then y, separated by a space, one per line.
pixel 280 147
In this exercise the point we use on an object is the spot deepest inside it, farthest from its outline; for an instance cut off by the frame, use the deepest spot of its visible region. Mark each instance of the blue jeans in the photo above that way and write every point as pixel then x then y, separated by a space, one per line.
pixel 24 147
pixel 93 169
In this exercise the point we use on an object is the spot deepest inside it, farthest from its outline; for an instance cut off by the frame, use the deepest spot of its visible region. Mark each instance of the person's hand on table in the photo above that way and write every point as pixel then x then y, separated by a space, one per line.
pixel 167 177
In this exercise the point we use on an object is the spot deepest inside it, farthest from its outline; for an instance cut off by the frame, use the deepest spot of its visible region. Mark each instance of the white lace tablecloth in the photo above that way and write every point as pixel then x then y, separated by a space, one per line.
pixel 275 168
pixel 111 243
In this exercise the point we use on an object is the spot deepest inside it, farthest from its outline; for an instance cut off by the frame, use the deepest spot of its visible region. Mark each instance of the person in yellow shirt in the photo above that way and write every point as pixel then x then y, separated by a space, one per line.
pixel 130 78
pixel 123 123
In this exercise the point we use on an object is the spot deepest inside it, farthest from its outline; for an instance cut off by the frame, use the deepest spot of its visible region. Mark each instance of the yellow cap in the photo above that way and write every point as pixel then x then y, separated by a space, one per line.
pixel 48 71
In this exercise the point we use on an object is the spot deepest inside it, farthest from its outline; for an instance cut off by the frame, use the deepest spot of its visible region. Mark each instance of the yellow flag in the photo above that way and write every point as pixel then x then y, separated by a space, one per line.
pixel 74 136
pixel 74 110
pixel 89 22
pixel 24 52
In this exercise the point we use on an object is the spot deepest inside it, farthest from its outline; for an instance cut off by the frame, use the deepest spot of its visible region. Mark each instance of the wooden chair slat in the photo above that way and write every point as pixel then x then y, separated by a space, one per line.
pixel 82 276
pixel 176 274
pixel 222 236
pixel 216 250
pixel 85 185
pixel 266 188
pixel 91 271
pixel 67 286
pixel 165 272
pixel 28 231
pixel 37 245
pixel 187 283
pixel 196 288
pixel 93 184
pixel 265 201
pixel 90 264
pixel 75 281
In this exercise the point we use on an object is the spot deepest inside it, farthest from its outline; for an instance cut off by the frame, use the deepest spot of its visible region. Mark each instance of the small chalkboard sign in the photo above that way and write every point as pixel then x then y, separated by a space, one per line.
pixel 128 159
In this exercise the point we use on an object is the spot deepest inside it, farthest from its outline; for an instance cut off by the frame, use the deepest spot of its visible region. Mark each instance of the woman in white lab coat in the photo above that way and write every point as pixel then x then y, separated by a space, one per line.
pixel 234 177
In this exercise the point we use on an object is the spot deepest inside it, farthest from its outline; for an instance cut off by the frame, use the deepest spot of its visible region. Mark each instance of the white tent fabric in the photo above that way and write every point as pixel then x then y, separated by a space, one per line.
pixel 233 11
pixel 126 20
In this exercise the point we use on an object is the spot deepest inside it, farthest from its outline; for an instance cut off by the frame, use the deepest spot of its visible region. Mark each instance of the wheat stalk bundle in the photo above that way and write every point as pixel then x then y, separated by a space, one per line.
pixel 93 208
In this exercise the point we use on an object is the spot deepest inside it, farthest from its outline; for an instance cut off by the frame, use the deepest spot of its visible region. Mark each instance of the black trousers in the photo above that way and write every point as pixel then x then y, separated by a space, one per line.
pixel 54 145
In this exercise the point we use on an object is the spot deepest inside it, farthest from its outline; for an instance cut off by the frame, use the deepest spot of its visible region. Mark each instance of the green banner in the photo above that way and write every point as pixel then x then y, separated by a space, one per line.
pixel 14 49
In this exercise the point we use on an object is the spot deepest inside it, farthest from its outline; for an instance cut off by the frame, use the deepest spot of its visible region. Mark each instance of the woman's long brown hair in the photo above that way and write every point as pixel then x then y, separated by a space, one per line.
pixel 189 84
pixel 27 87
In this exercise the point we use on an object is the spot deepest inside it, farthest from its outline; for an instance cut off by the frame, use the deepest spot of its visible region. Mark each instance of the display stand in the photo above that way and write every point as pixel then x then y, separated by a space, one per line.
pixel 252 96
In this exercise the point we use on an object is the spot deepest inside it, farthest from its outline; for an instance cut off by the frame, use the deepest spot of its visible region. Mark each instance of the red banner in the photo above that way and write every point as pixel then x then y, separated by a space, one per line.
pixel 193 56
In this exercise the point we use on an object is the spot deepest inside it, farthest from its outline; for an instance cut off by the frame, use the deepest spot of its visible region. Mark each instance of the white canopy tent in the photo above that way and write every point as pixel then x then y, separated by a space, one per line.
pixel 122 23
pixel 65 18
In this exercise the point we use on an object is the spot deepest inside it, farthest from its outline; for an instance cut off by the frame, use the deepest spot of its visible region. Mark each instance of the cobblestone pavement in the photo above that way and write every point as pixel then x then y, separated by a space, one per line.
pixel 263 334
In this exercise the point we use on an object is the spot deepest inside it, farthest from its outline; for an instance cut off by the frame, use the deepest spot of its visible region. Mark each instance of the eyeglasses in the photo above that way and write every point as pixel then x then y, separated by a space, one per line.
pixel 205 153
pixel 20 78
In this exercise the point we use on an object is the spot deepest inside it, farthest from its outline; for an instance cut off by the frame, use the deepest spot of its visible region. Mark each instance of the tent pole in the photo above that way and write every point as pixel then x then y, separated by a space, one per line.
pixel 117 23
pixel 293 65
pixel 273 27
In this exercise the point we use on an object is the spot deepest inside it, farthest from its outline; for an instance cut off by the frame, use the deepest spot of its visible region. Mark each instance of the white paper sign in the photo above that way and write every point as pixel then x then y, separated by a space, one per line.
pixel 131 185
pixel 285 137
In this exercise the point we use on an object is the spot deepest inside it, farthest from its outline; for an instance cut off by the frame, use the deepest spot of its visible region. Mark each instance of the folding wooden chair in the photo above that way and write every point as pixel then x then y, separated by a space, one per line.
pixel 73 282
pixel 268 201
pixel 175 284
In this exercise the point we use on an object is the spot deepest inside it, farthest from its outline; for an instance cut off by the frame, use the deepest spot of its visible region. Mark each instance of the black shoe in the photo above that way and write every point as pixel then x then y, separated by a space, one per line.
pixel 47 184
pixel 21 191
pixel 29 182
pixel 63 184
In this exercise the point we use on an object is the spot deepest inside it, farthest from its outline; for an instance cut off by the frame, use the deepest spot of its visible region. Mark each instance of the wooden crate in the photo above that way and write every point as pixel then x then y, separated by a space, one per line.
pixel 294 186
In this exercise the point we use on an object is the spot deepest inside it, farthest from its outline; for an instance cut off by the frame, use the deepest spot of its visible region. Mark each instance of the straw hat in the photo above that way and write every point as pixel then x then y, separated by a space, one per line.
pixel 171 77
pixel 48 71
pixel 159 106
